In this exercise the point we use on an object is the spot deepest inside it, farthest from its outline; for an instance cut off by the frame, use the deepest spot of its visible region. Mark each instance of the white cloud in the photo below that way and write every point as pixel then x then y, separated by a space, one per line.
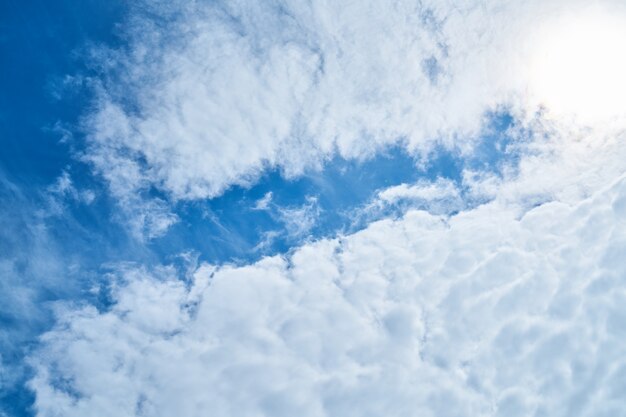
pixel 264 202
pixel 560 162
pixel 296 222
pixel 214 94
pixel 438 196
pixel 483 313
pixel 63 190
pixel 424 191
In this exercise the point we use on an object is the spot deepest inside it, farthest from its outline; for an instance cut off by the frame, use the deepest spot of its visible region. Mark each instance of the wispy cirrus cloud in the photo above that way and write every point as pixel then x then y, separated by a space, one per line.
pixel 33 270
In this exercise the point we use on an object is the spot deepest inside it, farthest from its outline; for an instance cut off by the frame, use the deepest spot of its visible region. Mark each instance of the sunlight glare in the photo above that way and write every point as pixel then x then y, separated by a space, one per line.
pixel 578 69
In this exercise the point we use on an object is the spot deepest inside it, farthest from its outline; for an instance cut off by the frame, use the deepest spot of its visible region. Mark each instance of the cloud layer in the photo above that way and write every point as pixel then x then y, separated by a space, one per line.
pixel 505 298
pixel 483 313
pixel 210 94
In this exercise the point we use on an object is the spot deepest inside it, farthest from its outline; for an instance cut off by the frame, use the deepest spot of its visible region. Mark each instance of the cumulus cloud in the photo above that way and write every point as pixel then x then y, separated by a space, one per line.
pixel 483 313
pixel 208 94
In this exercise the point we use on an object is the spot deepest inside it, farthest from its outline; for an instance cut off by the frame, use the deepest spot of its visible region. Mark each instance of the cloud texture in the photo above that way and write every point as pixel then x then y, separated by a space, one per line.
pixel 512 306
pixel 209 94
pixel 483 314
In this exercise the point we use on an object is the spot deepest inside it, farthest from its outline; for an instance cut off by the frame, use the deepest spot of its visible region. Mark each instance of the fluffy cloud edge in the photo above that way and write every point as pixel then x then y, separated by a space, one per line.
pixel 481 313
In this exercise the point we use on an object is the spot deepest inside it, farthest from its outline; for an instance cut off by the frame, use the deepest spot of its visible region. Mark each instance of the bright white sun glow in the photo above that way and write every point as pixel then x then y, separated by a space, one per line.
pixel 578 68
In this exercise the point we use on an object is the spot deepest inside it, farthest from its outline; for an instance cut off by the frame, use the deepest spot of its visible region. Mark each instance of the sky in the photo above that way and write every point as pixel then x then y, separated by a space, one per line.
pixel 279 208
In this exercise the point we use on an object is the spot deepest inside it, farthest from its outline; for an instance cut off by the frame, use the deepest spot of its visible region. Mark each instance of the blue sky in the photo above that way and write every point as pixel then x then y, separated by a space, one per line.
pixel 40 44
pixel 286 197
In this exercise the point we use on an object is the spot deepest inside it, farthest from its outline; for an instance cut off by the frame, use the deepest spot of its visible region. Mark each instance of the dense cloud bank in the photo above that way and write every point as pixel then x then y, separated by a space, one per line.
pixel 485 313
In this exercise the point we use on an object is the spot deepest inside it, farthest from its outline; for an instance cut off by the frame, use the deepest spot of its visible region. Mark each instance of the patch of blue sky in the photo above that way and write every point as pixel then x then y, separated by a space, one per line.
pixel 41 43
pixel 230 227
pixel 233 229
